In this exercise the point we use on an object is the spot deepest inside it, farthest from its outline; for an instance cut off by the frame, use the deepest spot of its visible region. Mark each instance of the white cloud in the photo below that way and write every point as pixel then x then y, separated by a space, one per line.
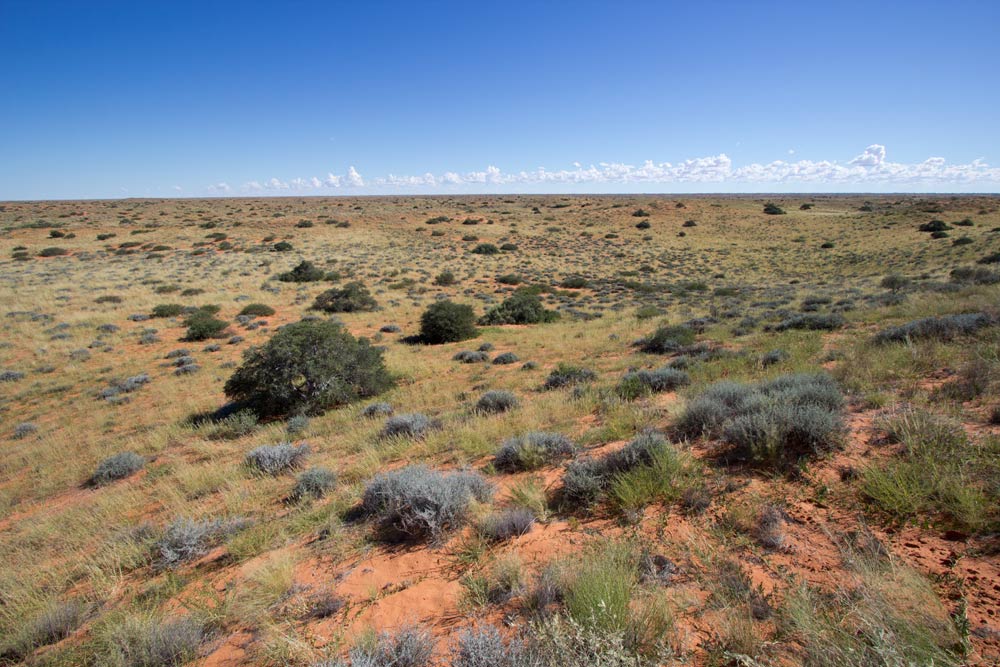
pixel 870 170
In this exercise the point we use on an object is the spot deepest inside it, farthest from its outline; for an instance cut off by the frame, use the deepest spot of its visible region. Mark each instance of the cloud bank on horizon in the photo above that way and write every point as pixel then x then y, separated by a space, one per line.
pixel 868 171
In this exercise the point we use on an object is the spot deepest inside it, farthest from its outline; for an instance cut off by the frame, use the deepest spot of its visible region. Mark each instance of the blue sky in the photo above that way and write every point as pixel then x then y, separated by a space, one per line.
pixel 113 99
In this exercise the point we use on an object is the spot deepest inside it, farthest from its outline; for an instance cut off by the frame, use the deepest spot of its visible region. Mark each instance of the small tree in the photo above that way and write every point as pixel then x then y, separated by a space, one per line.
pixel 773 209
pixel 308 367
pixel 447 322
pixel 445 279
pixel 352 297
pixel 202 326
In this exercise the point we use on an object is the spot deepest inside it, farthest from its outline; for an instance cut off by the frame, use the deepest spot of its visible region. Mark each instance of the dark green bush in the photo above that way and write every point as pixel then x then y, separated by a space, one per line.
pixel 201 325
pixel 352 297
pixel 167 310
pixel 667 339
pixel 486 249
pixel 257 310
pixel 564 375
pixel 308 367
pixel 522 307
pixel 447 322
pixel 773 209
pixel 282 246
pixel 445 279
pixel 304 272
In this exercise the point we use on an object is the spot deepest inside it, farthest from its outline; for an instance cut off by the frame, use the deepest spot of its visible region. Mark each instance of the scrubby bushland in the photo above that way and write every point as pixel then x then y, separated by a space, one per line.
pixel 811 322
pixel 775 422
pixel 187 539
pixel 201 325
pixel 352 297
pixel 118 466
pixel 587 480
pixel 275 459
pixel 667 339
pixel 313 483
pixel 257 310
pixel 308 367
pixel 416 502
pixel 565 375
pixel 414 425
pixel 304 272
pixel 447 322
pixel 520 308
pixel 532 450
pixel 640 383
pixel 944 328
pixel 496 401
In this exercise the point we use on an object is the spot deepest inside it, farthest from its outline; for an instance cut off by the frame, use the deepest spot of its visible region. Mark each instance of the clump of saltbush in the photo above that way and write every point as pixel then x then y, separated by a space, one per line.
pixel 506 524
pixel 376 410
pixel 471 357
pixel 532 450
pixel 413 425
pixel 186 539
pixel 118 466
pixel 447 322
pixel 775 422
pixel 566 375
pixel 639 383
pixel 944 328
pixel 522 307
pixel 126 386
pixel 407 647
pixel 352 297
pixel 496 401
pixel 505 359
pixel 417 502
pixel 276 459
pixel 313 483
pixel 667 339
pixel 306 368
pixel 587 479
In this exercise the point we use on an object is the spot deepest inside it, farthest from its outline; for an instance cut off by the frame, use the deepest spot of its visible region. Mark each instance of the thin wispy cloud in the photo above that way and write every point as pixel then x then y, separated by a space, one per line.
pixel 870 169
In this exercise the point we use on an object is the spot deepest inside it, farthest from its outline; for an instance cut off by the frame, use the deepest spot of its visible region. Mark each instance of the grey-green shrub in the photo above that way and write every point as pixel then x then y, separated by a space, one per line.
pixel 532 450
pixel 416 501
pixel 496 402
pixel 115 467
pixel 313 483
pixel 276 459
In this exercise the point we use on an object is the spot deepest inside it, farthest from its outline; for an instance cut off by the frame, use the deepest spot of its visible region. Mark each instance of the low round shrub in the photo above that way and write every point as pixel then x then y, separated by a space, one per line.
pixel 118 466
pixel 313 483
pixel 447 322
pixel 505 359
pixel 532 451
pixel 496 402
pixel 416 502
pixel 352 297
pixel 257 310
pixel 276 459
pixel 413 425
pixel 520 308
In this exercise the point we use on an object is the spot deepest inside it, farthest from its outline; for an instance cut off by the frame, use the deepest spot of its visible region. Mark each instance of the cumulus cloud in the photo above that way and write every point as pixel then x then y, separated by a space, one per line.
pixel 871 169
